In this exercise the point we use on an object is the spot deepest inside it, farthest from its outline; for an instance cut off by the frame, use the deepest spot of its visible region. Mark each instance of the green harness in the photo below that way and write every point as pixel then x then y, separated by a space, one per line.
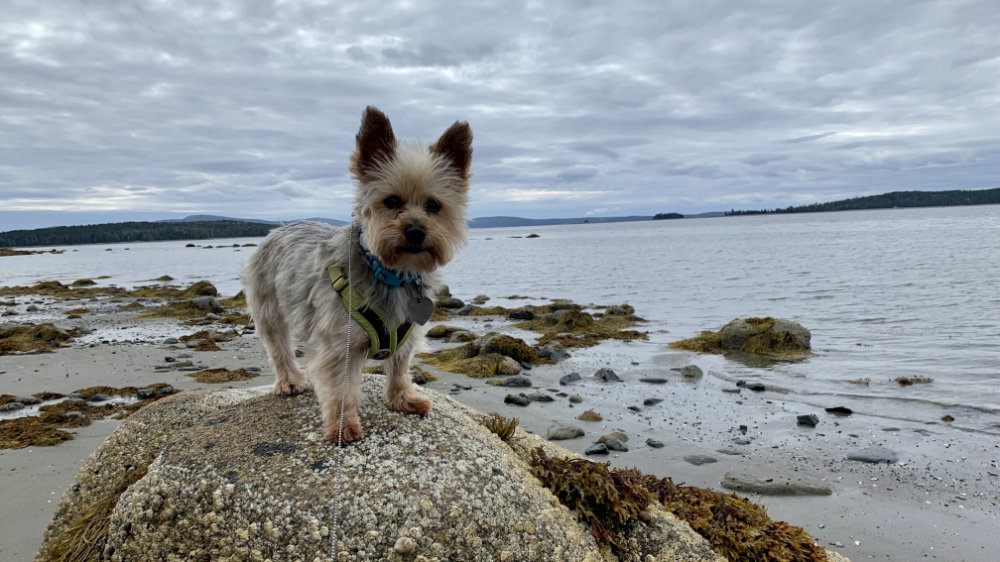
pixel 385 338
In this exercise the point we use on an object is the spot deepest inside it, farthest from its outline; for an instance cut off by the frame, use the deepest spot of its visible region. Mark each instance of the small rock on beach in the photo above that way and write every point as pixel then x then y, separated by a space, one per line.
pixel 558 432
pixel 874 455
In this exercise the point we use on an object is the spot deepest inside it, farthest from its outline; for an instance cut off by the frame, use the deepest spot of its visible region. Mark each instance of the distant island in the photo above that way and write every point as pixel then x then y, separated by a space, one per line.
pixel 203 227
pixel 132 232
pixel 952 198
pixel 664 216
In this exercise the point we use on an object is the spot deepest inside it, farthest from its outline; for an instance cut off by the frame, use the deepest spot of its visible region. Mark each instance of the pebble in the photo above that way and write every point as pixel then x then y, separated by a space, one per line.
pixel 100 397
pixel 539 397
pixel 451 302
pixel 692 372
pixel 699 460
pixel 575 399
pixel 569 379
pixel 598 449
pixel 809 420
pixel 11 407
pixel 558 432
pixel 653 380
pixel 606 375
pixel 521 314
pixel 145 393
pixel 618 435
pixel 516 400
pixel 616 445
pixel 166 390
pixel 874 455
pixel 590 416
pixel 653 443
pixel 651 401
pixel 518 381
pixel 839 411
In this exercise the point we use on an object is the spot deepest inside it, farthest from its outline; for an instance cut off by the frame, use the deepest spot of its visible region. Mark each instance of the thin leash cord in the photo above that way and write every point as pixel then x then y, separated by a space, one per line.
pixel 343 394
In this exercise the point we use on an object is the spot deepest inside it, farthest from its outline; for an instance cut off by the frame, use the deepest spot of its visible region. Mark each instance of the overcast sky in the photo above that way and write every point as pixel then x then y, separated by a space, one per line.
pixel 118 110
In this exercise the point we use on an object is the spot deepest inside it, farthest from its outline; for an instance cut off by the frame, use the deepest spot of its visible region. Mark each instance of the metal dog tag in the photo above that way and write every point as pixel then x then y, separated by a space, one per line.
pixel 420 310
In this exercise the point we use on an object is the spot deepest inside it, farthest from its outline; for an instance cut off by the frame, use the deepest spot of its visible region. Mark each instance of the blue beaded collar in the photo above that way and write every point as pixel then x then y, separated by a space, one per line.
pixel 384 274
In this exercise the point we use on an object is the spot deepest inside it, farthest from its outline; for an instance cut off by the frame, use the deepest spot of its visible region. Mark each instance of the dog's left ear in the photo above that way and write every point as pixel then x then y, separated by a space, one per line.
pixel 455 145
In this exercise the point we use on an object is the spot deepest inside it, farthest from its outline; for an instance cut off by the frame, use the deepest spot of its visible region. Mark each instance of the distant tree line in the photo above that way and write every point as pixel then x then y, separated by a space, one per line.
pixel 891 200
pixel 661 216
pixel 132 232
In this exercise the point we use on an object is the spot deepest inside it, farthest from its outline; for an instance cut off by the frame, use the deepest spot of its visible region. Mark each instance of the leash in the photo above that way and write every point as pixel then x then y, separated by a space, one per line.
pixel 343 396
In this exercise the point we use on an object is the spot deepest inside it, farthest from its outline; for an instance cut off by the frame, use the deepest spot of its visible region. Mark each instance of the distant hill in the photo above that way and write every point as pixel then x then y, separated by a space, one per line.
pixel 893 200
pixel 499 222
pixel 132 232
pixel 204 218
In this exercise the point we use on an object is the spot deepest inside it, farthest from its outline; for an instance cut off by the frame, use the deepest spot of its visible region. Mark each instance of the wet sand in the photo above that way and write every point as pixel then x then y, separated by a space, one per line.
pixel 939 501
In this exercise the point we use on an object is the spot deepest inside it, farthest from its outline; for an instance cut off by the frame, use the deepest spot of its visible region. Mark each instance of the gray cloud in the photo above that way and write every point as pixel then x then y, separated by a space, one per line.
pixel 250 108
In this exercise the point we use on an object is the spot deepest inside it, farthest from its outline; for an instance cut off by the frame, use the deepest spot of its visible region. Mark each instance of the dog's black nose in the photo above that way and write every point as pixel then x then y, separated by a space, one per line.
pixel 415 235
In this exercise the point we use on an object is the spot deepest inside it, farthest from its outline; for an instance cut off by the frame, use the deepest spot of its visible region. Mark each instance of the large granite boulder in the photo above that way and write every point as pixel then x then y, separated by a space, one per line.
pixel 244 475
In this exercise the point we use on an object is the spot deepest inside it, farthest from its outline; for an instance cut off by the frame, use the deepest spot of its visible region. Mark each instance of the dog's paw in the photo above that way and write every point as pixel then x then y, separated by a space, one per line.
pixel 352 432
pixel 289 388
pixel 410 403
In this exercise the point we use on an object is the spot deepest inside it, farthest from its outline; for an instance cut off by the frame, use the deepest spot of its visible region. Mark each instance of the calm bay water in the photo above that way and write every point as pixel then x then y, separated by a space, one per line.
pixel 888 293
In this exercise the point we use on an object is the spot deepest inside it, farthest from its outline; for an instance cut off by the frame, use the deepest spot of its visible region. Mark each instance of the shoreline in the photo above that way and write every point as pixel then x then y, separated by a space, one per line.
pixel 939 500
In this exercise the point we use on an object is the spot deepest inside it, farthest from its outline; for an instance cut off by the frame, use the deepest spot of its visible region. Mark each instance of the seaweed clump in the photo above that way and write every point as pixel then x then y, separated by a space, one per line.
pixel 85 538
pixel 504 428
pixel 46 429
pixel 608 500
pixel 222 375
pixel 33 337
pixel 569 324
pixel 494 356
pixel 612 500
pixel 735 527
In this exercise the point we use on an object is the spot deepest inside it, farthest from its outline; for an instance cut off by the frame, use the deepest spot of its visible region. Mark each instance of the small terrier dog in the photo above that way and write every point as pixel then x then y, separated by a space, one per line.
pixel 375 277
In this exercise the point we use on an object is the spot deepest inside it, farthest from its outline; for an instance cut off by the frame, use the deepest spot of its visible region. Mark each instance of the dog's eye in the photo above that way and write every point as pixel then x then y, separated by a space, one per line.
pixel 433 206
pixel 393 202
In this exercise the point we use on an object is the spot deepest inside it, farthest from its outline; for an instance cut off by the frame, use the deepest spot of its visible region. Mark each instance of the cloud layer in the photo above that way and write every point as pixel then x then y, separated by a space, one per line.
pixel 250 108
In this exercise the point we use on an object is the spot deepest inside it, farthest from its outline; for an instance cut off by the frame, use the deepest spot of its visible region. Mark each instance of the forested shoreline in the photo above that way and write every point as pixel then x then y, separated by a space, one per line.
pixel 131 232
pixel 952 198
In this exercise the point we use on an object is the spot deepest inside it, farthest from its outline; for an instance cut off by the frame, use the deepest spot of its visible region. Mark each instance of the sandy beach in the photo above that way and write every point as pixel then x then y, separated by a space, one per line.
pixel 937 501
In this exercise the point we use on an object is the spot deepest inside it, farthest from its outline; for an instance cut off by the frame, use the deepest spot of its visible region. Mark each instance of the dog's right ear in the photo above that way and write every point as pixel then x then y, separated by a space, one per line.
pixel 376 143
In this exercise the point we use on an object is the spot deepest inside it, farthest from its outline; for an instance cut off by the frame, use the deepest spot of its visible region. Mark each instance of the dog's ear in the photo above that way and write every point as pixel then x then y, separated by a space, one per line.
pixel 455 145
pixel 375 143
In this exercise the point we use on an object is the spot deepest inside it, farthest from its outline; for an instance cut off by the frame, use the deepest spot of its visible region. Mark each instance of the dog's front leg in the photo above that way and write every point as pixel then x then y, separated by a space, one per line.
pixel 399 391
pixel 326 370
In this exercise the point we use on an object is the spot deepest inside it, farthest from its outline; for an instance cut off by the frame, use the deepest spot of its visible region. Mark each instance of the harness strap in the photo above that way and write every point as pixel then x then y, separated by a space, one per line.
pixel 385 338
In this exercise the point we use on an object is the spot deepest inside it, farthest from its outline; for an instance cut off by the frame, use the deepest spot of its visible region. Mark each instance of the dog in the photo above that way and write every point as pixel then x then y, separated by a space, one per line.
pixel 375 277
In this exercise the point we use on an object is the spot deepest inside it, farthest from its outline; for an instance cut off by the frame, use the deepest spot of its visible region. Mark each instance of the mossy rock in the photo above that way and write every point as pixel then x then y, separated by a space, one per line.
pixel 30 337
pixel 512 347
pixel 442 331
pixel 772 337
pixel 469 360
pixel 84 283
pixel 239 301
pixel 201 289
